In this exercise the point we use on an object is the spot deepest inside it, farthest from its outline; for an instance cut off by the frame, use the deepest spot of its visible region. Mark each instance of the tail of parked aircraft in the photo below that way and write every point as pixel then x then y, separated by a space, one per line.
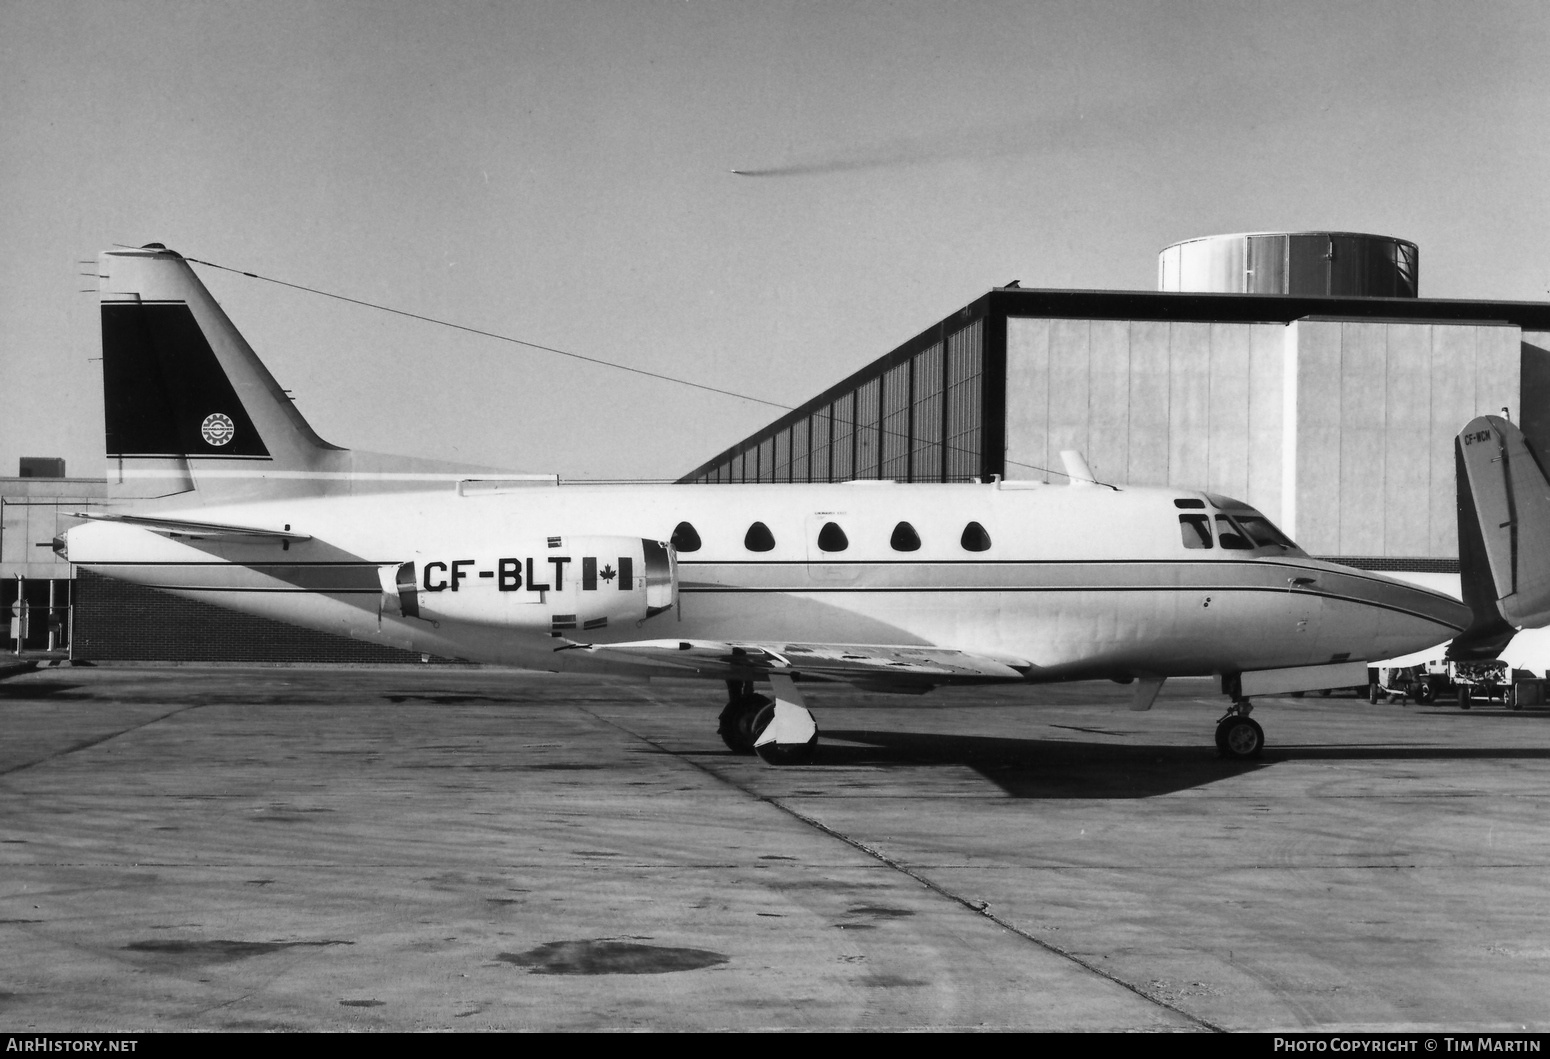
pixel 1504 536
pixel 189 406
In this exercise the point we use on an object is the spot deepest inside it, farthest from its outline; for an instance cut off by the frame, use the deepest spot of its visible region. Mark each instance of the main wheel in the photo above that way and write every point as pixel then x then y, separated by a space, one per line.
pixel 737 722
pixel 782 753
pixel 1423 693
pixel 1240 738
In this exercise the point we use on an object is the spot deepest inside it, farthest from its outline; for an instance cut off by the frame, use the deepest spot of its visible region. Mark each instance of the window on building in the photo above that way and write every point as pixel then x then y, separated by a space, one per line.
pixel 926 416
pixel 904 538
pixel 759 538
pixel 685 539
pixel 965 371
pixel 975 539
pixel 842 444
pixel 832 539
pixel 783 456
pixel 896 424
pixel 868 413
pixel 819 464
pixel 799 452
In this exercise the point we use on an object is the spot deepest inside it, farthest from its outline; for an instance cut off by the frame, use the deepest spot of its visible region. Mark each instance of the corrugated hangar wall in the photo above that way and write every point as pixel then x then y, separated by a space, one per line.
pixel 1340 430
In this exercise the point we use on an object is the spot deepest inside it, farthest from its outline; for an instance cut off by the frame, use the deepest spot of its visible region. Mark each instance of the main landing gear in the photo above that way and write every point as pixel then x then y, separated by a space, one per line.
pixel 1238 736
pixel 779 730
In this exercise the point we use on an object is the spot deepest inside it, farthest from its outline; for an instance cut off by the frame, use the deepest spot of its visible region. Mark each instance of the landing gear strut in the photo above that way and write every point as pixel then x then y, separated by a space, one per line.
pixel 1238 736
pixel 779 730
pixel 737 718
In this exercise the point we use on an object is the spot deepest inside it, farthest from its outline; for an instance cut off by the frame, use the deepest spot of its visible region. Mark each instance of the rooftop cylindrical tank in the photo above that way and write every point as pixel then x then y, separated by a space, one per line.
pixel 1348 264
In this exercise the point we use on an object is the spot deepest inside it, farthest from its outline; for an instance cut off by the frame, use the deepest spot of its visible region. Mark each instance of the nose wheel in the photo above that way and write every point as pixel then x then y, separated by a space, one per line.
pixel 1238 736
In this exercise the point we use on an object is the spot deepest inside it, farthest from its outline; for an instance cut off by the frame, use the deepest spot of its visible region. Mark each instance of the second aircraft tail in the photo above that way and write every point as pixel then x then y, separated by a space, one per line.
pixel 1504 536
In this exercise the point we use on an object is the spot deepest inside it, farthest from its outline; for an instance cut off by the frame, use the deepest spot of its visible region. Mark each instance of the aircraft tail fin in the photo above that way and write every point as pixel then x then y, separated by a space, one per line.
pixel 1504 536
pixel 186 401
pixel 190 409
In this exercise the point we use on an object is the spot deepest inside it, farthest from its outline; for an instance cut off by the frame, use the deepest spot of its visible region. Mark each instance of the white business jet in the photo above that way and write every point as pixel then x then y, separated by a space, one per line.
pixel 887 586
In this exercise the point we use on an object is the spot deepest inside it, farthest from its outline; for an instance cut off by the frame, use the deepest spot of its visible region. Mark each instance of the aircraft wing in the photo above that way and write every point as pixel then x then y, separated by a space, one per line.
pixel 882 668
pixel 201 530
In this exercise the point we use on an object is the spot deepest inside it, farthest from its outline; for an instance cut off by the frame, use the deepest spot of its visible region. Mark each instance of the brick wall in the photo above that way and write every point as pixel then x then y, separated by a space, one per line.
pixel 120 622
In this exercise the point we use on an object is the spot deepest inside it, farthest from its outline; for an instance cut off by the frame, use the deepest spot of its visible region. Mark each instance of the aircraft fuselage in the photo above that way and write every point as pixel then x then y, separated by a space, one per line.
pixel 1071 582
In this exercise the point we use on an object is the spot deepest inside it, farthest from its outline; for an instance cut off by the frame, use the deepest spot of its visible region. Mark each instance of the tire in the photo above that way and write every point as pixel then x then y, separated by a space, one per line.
pixel 1374 694
pixel 1240 738
pixel 781 753
pixel 737 720
pixel 1423 694
pixel 1464 697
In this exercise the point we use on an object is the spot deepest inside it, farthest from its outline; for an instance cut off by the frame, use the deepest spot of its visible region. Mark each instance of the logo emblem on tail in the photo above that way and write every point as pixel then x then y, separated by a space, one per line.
pixel 217 429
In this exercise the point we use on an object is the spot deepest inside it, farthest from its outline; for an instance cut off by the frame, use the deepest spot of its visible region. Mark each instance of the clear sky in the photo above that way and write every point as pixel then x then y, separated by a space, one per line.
pixel 560 172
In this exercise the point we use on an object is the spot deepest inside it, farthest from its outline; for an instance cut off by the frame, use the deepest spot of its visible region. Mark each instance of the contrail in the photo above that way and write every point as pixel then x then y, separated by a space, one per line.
pixel 1045 133
pixel 998 141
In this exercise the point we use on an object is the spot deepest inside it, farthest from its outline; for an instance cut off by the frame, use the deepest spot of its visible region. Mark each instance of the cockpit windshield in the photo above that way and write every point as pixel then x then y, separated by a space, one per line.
pixel 1263 532
pixel 1236 529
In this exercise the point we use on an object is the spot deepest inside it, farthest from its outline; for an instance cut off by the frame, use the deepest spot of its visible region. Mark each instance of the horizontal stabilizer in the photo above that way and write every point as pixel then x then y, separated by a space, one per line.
pixel 199 530
pixel 1504 535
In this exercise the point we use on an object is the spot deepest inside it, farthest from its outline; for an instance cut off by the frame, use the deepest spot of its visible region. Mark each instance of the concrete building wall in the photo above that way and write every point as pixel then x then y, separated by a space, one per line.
pixel 1340 430
pixel 34 511
pixel 1148 402
pixel 1371 410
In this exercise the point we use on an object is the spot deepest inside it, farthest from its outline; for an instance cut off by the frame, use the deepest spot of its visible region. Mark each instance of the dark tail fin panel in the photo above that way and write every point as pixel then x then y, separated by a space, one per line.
pixel 187 403
pixel 164 393
pixel 1504 536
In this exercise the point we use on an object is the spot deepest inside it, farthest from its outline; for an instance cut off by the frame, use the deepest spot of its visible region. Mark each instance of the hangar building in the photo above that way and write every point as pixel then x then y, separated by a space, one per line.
pixel 1296 371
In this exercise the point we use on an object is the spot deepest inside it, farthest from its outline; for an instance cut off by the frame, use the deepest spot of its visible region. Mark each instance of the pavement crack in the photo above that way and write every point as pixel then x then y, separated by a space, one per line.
pixel 979 908
pixel 87 744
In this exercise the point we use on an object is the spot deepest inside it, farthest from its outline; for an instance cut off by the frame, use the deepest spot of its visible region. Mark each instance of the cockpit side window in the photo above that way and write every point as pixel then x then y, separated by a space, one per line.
pixel 1231 535
pixel 1196 530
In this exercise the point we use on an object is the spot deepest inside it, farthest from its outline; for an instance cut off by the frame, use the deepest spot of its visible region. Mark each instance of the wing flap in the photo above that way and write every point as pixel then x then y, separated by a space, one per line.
pixel 866 665
pixel 198 530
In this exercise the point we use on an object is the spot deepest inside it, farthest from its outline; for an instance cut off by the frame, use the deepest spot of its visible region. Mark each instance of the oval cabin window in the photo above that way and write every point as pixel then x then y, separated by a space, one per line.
pixel 975 539
pixel 904 538
pixel 759 538
pixel 832 539
pixel 685 539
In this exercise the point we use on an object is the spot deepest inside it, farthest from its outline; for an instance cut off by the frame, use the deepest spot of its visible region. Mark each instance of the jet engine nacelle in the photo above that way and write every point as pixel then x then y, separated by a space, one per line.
pixel 570 586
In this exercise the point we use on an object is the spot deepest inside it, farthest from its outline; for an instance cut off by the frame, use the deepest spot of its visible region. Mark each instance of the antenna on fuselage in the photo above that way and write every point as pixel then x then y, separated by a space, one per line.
pixel 1077 469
